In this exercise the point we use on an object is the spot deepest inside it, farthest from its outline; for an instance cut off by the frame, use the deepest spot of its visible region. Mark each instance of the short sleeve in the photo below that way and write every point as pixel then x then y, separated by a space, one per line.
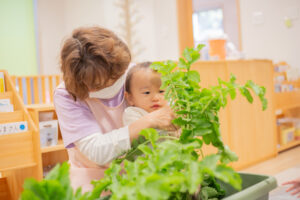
pixel 75 119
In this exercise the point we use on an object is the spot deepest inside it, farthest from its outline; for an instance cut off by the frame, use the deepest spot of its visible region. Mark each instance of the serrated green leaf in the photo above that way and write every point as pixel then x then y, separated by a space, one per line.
pixel 264 103
pixel 99 187
pixel 185 135
pixel 194 76
pixel 210 161
pixel 200 46
pixel 36 189
pixel 194 177
pixel 29 195
pixel 180 121
pixel 228 156
pixel 232 93
pixel 145 149
pixel 245 92
pixel 150 134
pixel 201 131
pixel 228 175
pixel 208 193
pixel 182 64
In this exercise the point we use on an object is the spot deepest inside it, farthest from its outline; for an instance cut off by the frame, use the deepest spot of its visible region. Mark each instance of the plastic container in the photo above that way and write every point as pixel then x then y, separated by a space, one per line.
pixel 48 133
pixel 254 187
pixel 217 48
pixel 286 134
pixel 297 129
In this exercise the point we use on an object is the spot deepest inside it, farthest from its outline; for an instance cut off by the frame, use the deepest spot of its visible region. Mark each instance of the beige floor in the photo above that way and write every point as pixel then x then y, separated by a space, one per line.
pixel 285 160
pixel 285 167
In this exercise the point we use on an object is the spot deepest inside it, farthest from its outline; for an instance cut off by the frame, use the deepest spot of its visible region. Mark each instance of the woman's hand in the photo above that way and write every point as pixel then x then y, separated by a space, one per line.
pixel 295 188
pixel 162 119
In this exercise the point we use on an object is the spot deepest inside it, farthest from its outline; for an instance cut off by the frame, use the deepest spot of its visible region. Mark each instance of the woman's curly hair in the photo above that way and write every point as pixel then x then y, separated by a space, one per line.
pixel 90 58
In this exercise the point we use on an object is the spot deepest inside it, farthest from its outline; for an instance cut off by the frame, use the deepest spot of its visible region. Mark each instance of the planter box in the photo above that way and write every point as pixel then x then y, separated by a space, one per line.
pixel 255 187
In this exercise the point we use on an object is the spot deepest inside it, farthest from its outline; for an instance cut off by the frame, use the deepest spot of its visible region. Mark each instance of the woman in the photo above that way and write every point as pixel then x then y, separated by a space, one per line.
pixel 90 102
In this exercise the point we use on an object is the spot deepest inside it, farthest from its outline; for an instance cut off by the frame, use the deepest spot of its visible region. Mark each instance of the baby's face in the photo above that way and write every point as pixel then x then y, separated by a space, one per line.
pixel 145 90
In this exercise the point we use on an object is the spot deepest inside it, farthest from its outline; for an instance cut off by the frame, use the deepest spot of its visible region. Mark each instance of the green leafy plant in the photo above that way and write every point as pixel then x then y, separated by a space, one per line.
pixel 56 186
pixel 172 168
pixel 197 108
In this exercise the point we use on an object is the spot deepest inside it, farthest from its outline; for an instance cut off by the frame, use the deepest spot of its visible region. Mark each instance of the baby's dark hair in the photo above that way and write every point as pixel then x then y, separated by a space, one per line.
pixel 139 66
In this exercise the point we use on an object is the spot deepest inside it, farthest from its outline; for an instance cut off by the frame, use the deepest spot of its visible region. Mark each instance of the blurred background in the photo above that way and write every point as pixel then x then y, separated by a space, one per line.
pixel 32 31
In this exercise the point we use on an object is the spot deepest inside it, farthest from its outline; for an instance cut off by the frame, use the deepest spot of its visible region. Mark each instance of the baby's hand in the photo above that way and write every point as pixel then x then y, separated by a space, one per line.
pixel 295 188
pixel 162 119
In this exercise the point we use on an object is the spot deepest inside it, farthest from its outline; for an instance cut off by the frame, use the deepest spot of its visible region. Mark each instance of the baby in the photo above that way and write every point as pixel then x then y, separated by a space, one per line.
pixel 143 93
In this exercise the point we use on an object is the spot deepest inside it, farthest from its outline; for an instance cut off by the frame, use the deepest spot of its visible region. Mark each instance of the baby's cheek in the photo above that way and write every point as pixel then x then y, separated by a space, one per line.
pixel 164 102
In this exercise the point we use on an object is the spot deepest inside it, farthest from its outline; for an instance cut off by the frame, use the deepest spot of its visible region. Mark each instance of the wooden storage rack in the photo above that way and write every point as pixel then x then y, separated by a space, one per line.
pixel 285 101
pixel 19 152
pixel 53 154
pixel 37 94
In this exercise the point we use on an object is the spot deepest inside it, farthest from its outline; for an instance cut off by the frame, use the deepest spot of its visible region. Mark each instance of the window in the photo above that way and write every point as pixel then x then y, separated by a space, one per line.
pixel 206 24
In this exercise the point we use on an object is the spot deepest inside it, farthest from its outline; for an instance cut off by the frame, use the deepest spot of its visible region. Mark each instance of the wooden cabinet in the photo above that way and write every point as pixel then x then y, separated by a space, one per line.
pixel 245 128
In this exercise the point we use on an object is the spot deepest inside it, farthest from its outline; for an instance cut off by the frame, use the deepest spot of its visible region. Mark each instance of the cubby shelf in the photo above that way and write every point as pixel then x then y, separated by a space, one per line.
pixel 50 155
pixel 58 147
pixel 288 145
pixel 19 152
pixel 286 102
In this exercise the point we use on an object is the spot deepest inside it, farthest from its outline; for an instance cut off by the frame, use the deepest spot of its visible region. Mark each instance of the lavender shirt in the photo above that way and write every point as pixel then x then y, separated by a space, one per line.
pixel 76 118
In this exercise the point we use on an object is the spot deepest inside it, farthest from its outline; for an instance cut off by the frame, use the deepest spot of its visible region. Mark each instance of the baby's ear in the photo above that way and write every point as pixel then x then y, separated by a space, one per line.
pixel 128 98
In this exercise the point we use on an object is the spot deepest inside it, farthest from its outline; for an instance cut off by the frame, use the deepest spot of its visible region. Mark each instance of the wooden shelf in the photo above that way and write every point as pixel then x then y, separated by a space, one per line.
pixel 287 100
pixel 41 107
pixel 7 117
pixel 16 150
pixel 58 147
pixel 279 73
pixel 19 167
pixel 289 145
pixel 7 95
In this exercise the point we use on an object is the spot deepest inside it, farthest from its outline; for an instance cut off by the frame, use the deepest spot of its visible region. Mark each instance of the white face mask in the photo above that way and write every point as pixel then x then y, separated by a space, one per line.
pixel 111 91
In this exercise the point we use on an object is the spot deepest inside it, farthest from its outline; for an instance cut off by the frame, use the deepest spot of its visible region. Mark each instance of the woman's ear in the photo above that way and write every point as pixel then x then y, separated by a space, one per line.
pixel 129 99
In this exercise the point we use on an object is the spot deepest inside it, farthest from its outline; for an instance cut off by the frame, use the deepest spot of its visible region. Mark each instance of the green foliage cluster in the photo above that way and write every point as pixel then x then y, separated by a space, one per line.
pixel 197 108
pixel 172 168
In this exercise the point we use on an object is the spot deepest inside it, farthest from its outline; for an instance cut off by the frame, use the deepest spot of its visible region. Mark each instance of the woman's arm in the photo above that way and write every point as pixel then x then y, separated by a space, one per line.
pixel 103 148
pixel 79 127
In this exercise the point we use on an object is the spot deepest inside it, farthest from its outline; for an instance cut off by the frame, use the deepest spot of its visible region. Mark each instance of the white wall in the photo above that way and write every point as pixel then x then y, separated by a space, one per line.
pixel 51 28
pixel 156 32
pixel 271 39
